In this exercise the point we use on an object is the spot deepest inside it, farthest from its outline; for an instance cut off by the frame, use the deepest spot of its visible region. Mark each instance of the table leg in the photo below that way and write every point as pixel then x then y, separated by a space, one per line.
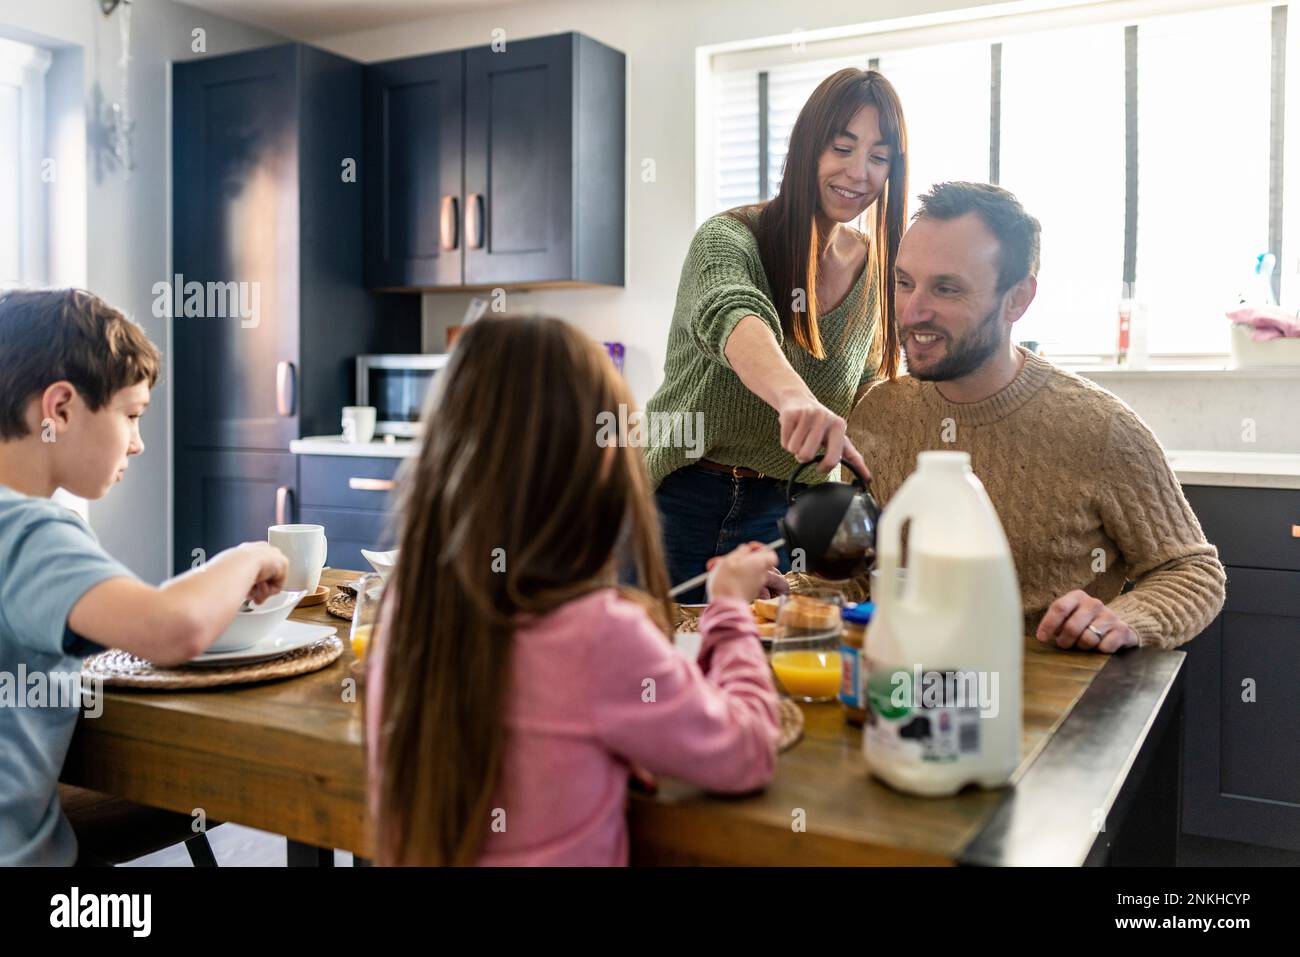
pixel 1148 835
pixel 308 855
pixel 201 851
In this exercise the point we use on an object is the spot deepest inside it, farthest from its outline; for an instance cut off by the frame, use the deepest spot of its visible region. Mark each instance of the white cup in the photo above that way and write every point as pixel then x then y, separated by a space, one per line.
pixel 358 423
pixel 305 546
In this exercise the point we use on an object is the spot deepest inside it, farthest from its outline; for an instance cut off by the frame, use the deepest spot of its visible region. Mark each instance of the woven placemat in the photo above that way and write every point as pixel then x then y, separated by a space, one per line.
pixel 791 716
pixel 341 604
pixel 119 669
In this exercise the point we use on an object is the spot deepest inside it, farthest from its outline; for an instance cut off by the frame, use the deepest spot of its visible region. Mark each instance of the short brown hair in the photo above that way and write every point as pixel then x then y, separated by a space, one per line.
pixel 52 335
pixel 1017 232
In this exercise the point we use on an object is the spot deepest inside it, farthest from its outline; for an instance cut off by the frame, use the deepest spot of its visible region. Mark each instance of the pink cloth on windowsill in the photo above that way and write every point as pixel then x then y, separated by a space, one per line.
pixel 578 721
pixel 1267 322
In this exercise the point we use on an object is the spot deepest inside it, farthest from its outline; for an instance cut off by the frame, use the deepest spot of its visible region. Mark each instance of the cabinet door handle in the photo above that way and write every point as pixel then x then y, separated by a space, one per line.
pixel 286 388
pixel 282 497
pixel 474 221
pixel 449 223
pixel 371 484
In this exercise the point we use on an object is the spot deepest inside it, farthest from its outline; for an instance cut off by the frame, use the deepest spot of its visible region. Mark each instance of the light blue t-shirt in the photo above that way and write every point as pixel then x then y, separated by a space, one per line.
pixel 49 558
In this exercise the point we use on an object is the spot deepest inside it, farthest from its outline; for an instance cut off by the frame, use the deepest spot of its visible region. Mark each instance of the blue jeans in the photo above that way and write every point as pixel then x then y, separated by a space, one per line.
pixel 706 513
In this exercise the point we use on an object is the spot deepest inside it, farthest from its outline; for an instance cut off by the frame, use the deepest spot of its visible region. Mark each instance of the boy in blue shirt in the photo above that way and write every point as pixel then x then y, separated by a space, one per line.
pixel 75 376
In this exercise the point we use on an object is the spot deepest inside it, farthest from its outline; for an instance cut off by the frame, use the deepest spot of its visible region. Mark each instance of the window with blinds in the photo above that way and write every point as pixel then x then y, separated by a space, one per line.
pixel 1151 150
pixel 22 142
pixel 10 180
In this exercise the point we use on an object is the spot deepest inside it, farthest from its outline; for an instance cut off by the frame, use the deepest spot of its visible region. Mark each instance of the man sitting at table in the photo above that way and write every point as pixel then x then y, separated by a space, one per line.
pixel 1083 488
pixel 75 376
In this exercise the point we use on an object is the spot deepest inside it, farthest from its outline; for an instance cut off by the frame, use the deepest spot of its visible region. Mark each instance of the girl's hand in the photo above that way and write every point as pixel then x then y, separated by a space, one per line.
pixel 775 584
pixel 742 573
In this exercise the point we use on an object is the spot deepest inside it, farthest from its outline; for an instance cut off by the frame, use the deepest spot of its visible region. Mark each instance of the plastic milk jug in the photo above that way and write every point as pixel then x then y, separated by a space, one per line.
pixel 945 648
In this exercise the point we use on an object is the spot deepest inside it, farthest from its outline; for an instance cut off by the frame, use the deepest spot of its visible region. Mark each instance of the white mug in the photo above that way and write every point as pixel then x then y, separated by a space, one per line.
pixel 358 423
pixel 305 546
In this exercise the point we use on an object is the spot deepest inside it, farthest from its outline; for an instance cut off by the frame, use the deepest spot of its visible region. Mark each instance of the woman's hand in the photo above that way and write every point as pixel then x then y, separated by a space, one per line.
pixel 742 573
pixel 808 426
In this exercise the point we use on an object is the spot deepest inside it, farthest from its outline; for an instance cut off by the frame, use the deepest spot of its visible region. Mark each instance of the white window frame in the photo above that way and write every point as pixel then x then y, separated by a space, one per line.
pixel 24 66
pixel 991 22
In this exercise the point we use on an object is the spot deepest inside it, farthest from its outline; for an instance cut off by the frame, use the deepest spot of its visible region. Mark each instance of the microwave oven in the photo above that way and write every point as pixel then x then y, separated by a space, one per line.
pixel 396 385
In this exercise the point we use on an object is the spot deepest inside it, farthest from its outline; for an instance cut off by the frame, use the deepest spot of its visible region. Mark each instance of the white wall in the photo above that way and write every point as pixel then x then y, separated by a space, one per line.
pixel 660 38
pixel 127 244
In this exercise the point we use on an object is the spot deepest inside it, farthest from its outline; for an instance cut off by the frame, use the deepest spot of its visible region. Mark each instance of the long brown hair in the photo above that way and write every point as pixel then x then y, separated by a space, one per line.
pixel 786 226
pixel 511 506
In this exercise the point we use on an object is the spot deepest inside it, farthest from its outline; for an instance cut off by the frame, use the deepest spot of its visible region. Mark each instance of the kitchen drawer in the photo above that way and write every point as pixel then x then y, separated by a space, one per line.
pixel 348 531
pixel 346 481
pixel 1252 527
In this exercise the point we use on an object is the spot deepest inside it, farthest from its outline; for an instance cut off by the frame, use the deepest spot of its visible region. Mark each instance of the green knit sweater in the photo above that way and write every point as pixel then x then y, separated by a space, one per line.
pixel 722 282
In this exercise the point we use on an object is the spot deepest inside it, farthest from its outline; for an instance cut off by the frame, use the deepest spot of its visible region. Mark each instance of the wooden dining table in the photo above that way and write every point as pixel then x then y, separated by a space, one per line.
pixel 1097 782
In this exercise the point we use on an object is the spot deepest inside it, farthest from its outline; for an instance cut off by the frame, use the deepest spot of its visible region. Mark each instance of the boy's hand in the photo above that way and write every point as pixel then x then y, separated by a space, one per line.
pixel 272 567
pixel 742 573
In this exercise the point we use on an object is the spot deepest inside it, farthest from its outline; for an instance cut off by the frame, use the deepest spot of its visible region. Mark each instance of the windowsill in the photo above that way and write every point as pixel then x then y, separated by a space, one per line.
pixel 1218 368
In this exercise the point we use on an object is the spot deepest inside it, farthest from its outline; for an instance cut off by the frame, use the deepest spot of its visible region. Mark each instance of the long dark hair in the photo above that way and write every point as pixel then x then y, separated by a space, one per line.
pixel 786 226
pixel 511 505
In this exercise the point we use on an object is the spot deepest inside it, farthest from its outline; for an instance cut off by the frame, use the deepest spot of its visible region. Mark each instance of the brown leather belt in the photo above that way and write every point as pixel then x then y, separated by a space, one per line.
pixel 735 471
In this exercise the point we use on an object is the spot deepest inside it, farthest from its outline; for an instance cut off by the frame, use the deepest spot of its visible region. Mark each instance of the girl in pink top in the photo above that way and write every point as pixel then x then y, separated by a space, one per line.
pixel 513 685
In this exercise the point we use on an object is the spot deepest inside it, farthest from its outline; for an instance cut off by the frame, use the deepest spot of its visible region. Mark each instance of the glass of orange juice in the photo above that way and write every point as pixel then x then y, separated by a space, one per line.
pixel 365 612
pixel 806 645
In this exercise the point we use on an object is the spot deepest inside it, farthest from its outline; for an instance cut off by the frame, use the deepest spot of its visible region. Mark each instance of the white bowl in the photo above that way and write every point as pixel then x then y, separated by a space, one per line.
pixel 381 562
pixel 250 627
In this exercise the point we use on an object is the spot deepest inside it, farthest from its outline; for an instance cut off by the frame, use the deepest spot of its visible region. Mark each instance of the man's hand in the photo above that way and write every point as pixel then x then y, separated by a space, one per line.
pixel 1076 618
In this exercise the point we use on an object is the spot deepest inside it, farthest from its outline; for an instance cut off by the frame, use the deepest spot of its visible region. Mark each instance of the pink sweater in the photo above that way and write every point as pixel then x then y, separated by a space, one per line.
pixel 597 689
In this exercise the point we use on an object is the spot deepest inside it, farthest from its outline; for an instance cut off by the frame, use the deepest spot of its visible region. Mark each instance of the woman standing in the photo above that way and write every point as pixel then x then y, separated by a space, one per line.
pixel 784 317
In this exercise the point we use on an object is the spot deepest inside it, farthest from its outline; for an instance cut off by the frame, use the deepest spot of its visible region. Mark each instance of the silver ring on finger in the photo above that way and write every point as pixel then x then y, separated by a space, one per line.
pixel 1096 631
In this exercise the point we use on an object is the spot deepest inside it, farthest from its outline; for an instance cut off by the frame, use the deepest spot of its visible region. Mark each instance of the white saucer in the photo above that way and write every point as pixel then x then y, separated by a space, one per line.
pixel 287 637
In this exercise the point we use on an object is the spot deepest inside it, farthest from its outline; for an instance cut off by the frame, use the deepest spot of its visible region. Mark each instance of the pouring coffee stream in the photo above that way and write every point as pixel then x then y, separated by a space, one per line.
pixel 833 524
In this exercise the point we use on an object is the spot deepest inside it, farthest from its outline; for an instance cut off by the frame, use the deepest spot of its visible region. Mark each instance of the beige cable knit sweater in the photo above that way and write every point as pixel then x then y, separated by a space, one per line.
pixel 1083 488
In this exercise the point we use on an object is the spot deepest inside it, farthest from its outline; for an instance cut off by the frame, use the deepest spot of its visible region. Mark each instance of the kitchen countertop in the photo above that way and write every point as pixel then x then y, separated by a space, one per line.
pixel 334 445
pixel 1192 466
pixel 1247 469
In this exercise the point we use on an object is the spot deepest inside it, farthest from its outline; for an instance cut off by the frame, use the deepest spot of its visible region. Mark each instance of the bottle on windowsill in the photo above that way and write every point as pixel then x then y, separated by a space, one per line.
pixel 1125 326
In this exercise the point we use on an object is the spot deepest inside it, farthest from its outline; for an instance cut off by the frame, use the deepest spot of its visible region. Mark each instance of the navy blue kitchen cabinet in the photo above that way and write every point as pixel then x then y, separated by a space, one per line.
pixel 267 251
pixel 227 496
pixel 497 167
pixel 413 173
pixel 1241 766
pixel 351 495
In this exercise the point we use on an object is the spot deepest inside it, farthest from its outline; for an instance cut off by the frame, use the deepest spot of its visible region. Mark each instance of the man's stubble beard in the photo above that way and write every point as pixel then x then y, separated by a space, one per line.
pixel 966 354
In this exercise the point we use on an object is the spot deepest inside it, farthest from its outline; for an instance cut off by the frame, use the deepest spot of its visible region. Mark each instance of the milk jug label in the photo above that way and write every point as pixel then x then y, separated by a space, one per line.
pixel 926 717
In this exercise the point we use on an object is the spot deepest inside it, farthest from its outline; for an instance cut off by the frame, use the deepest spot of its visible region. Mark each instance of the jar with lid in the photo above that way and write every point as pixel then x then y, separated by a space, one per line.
pixel 853 640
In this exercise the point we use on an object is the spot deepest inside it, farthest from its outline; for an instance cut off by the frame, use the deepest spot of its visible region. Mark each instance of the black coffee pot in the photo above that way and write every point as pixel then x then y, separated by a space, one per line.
pixel 832 525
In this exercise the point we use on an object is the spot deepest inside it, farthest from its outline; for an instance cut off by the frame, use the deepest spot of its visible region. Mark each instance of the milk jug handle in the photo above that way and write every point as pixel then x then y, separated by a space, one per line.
pixel 889 532
pixel 859 479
